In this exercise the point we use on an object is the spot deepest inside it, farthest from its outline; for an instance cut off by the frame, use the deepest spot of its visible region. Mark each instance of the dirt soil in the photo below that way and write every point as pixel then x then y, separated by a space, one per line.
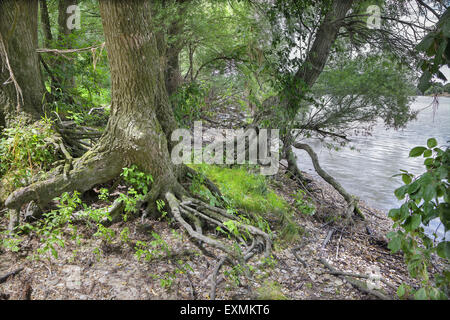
pixel 114 272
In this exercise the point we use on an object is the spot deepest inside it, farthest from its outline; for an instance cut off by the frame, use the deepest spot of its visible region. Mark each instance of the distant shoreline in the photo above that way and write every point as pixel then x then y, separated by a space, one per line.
pixel 445 94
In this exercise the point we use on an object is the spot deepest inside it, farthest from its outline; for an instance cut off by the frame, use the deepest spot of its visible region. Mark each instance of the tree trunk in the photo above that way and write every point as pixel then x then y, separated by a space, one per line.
pixel 45 23
pixel 138 92
pixel 19 34
pixel 172 69
pixel 172 73
pixel 140 121
pixel 325 37
pixel 66 76
pixel 63 16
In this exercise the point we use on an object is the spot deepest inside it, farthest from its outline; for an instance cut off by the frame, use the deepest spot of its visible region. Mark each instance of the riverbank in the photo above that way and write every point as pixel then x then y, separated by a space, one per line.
pixel 297 272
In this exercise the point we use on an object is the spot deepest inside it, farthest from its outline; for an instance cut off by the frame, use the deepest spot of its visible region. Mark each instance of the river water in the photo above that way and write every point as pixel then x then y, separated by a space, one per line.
pixel 367 171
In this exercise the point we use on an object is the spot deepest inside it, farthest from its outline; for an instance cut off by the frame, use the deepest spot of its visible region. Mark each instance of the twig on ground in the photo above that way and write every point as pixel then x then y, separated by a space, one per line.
pixel 355 284
pixel 327 239
pixel 10 274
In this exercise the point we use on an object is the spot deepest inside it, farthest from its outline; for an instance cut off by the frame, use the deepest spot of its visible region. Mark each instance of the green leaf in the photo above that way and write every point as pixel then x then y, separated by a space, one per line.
pixel 404 211
pixel 428 161
pixel 444 215
pixel 424 81
pixel 395 244
pixel 426 43
pixel 401 291
pixel 429 192
pixel 427 153
pixel 431 143
pixel 443 249
pixel 420 294
pixel 400 192
pixel 394 214
pixel 416 219
pixel 406 178
pixel 413 187
pixel 417 151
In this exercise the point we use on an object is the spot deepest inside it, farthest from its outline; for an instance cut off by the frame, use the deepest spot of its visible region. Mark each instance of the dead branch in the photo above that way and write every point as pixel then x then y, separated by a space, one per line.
pixel 10 274
pixel 65 51
pixel 354 283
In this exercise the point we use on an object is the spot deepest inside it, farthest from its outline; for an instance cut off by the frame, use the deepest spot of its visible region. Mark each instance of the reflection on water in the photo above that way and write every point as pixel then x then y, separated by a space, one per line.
pixel 367 172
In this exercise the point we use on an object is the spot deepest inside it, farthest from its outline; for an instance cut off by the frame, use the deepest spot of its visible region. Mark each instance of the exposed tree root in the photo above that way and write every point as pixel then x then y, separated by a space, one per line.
pixel 198 212
pixel 192 214
pixel 249 253
pixel 10 274
pixel 352 206
pixel 93 168
pixel 79 139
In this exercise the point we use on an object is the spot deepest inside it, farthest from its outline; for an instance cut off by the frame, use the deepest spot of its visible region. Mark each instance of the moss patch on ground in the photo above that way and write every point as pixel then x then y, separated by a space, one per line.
pixel 252 194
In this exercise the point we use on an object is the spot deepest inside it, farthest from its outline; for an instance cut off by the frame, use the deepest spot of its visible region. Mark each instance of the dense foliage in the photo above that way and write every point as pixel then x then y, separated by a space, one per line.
pixel 426 198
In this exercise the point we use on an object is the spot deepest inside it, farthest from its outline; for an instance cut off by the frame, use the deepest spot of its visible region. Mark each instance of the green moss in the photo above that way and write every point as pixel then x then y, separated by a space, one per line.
pixel 247 191
pixel 270 290
pixel 252 194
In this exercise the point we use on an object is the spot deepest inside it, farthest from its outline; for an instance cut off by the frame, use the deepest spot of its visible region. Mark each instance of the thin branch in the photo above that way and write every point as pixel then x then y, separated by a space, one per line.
pixel 4 56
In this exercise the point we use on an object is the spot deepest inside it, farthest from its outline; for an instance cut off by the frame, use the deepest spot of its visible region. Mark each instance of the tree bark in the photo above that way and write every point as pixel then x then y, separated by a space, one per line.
pixel 45 23
pixel 325 37
pixel 19 34
pixel 172 49
pixel 63 16
pixel 138 92
pixel 66 77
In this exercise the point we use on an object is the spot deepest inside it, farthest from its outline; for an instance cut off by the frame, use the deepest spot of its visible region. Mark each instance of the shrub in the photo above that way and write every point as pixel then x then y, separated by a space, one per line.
pixel 426 197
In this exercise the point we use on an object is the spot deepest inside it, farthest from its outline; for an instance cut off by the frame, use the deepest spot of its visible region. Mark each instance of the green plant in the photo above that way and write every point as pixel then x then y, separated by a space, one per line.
pixel 302 204
pixel 247 194
pixel 26 151
pixel 11 241
pixel 190 102
pixel 160 204
pixel 426 198
pixel 50 229
pixel 104 194
pixel 168 278
pixel 270 290
pixel 137 179
pixel 152 250
pixel 104 233
pixel 235 272
pixel 125 235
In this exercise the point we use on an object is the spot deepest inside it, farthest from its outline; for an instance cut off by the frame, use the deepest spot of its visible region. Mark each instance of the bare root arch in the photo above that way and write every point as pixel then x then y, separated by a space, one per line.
pixel 352 206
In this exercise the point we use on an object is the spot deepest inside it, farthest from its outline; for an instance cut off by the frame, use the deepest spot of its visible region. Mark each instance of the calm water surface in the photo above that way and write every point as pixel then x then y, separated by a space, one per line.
pixel 367 172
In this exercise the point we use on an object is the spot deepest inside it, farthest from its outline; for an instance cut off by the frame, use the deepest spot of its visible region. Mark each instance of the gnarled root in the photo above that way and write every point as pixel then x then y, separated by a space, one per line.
pixel 93 168
pixel 197 212
pixel 352 206
pixel 192 214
